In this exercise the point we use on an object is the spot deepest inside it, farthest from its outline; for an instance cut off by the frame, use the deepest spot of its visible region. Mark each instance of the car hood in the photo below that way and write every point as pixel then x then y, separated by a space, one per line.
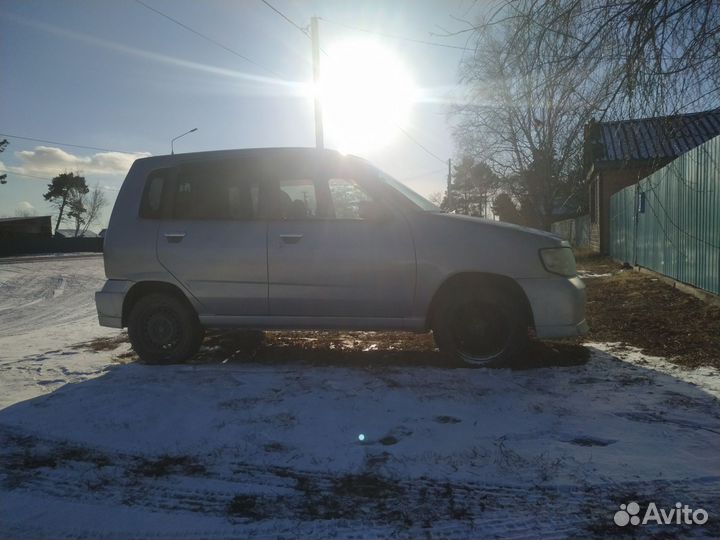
pixel 543 236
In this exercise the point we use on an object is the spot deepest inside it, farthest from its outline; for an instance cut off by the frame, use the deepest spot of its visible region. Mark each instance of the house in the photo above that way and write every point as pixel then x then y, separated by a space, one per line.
pixel 617 154
pixel 24 227
pixel 70 233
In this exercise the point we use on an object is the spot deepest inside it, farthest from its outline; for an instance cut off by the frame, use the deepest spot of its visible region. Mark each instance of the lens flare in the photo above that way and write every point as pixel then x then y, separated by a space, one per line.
pixel 366 95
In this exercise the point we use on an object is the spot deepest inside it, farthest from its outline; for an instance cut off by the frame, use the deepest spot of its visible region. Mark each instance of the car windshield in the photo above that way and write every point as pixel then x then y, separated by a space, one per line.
pixel 418 200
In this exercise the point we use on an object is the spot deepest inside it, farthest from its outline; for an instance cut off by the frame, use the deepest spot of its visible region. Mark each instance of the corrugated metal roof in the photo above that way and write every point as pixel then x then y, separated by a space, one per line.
pixel 665 137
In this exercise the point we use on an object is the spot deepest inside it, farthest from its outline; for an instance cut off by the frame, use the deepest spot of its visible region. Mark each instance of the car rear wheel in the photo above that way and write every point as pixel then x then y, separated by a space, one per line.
pixel 163 329
pixel 480 328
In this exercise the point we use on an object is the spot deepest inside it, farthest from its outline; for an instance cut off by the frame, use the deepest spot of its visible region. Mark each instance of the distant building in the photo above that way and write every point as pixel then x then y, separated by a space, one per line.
pixel 618 154
pixel 70 233
pixel 22 227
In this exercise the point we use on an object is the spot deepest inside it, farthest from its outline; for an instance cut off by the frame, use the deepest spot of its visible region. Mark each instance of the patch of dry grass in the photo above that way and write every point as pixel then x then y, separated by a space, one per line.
pixel 640 310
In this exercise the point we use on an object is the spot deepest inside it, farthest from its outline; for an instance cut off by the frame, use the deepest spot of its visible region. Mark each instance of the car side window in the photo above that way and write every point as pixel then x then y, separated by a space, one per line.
pixel 151 205
pixel 289 198
pixel 220 193
pixel 348 199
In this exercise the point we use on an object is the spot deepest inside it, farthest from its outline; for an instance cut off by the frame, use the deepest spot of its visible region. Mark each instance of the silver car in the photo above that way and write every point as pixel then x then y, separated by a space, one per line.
pixel 297 238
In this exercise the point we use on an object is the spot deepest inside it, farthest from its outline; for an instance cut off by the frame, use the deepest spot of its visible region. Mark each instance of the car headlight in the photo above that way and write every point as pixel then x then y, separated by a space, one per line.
pixel 559 261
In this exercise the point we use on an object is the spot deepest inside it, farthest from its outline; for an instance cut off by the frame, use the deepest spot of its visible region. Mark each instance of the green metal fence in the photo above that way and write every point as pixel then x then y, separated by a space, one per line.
pixel 670 221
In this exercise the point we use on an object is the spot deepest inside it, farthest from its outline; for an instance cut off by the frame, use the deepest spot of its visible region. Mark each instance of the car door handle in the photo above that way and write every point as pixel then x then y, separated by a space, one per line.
pixel 291 238
pixel 174 238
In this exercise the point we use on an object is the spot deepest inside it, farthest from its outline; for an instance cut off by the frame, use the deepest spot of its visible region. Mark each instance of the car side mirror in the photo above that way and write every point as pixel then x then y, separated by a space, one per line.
pixel 373 211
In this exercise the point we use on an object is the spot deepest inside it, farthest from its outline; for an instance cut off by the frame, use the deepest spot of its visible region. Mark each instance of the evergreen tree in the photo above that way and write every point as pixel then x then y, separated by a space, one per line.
pixel 64 189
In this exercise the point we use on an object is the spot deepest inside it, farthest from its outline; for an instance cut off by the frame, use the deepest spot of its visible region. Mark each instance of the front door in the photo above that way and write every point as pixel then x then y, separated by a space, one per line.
pixel 327 259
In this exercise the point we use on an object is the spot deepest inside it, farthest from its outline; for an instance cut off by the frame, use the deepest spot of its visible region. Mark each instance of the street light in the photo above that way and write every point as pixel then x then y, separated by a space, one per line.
pixel 172 142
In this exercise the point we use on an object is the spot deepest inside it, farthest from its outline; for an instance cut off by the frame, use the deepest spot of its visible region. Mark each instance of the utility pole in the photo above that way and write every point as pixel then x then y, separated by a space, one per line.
pixel 3 146
pixel 449 185
pixel 315 38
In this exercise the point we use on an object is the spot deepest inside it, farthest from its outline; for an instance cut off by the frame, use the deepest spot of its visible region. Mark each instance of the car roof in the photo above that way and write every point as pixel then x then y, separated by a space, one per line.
pixel 284 152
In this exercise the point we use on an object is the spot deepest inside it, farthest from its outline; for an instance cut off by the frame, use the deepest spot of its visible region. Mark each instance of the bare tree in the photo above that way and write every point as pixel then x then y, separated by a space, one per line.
pixel 76 212
pixel 94 203
pixel 665 53
pixel 526 109
pixel 436 197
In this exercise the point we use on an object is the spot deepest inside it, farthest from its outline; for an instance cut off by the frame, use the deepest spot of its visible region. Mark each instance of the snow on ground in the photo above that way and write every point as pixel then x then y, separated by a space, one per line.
pixel 92 447
pixel 584 274
pixel 705 377
pixel 45 307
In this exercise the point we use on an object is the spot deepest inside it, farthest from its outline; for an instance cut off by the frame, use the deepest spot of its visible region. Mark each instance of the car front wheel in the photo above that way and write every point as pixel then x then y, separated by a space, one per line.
pixel 164 330
pixel 480 328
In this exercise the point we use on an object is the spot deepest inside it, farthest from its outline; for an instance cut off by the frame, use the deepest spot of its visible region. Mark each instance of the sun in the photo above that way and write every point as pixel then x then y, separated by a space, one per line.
pixel 366 95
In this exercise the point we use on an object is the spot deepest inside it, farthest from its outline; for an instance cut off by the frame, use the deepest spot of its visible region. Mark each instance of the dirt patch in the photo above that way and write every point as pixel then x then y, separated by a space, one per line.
pixel 447 420
pixel 321 348
pixel 639 310
pixel 28 456
pixel 246 506
pixel 591 441
pixel 275 447
pixel 388 441
pixel 364 350
pixel 552 354
pixel 348 349
pixel 365 485
pixel 166 465
pixel 103 343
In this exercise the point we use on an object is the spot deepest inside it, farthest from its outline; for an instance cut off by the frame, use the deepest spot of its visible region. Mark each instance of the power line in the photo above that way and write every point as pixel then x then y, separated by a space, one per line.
pixel 64 144
pixel 421 175
pixel 27 175
pixel 208 38
pixel 288 19
pixel 413 139
pixel 400 38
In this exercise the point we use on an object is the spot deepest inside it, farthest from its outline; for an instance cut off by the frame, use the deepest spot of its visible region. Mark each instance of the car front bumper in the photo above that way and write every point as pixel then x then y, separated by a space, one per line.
pixel 109 302
pixel 558 306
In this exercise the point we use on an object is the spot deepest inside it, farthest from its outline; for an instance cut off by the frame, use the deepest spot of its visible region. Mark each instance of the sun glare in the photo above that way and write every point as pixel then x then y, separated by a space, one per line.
pixel 366 94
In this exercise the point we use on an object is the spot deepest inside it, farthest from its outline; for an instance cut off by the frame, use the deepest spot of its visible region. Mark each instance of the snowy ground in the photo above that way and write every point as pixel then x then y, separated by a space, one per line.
pixel 92 446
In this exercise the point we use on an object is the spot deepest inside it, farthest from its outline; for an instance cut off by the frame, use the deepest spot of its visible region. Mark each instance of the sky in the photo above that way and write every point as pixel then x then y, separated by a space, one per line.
pixel 122 78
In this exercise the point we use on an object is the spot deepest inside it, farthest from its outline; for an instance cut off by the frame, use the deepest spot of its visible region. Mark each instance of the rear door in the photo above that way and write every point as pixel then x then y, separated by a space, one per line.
pixel 211 240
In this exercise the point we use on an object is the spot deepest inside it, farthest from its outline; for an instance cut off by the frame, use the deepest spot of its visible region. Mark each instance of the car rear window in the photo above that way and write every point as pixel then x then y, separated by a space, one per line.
pixel 151 206
pixel 219 192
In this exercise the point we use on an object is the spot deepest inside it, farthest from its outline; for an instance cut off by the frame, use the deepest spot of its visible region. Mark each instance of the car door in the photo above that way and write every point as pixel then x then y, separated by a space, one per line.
pixel 211 241
pixel 327 259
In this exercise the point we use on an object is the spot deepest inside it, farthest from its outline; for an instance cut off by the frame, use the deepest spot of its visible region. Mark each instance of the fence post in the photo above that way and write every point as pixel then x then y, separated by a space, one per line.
pixel 635 224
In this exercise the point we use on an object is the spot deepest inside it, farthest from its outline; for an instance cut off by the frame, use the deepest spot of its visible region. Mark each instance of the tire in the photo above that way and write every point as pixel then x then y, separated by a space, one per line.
pixel 164 329
pixel 480 328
